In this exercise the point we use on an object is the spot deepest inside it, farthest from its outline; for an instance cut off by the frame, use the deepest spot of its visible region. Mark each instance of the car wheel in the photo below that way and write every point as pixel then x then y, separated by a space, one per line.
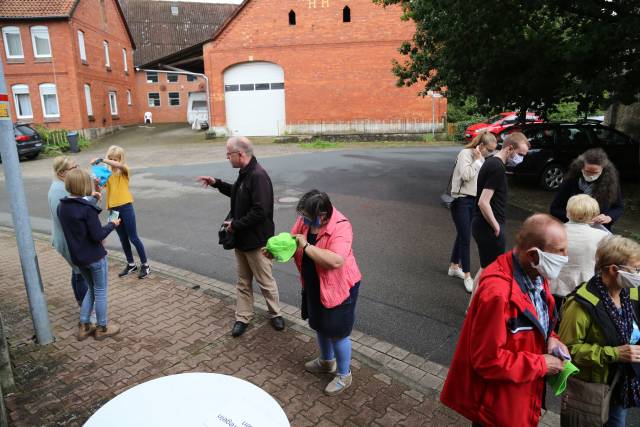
pixel 32 156
pixel 551 177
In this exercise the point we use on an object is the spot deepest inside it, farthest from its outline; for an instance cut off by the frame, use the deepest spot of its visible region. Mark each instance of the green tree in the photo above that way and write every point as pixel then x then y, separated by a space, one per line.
pixel 522 54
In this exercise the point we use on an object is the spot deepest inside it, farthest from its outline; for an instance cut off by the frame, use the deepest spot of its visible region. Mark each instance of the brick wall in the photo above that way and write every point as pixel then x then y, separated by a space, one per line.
pixel 165 113
pixel 66 70
pixel 334 71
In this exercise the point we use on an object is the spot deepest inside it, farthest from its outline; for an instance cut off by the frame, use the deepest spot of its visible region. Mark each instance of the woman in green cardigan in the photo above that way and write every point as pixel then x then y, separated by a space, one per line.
pixel 600 324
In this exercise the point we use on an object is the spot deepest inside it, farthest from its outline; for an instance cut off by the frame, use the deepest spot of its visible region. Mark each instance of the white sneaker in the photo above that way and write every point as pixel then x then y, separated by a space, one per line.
pixel 468 284
pixel 456 272
pixel 339 384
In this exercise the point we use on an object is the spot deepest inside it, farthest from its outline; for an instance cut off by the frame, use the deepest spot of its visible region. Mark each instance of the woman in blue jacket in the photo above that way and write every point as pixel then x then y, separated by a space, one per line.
pixel 84 235
pixel 591 173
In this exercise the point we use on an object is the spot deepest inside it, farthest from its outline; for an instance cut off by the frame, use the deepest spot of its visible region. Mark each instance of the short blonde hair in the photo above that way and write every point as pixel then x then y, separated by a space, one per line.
pixel 60 164
pixel 78 183
pixel 616 250
pixel 582 208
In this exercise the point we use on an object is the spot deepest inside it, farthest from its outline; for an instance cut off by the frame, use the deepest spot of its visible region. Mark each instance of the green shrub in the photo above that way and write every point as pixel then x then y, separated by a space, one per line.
pixel 319 144
pixel 56 143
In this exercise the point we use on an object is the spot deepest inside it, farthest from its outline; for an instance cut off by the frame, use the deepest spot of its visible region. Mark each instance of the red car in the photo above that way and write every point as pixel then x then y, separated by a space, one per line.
pixel 497 124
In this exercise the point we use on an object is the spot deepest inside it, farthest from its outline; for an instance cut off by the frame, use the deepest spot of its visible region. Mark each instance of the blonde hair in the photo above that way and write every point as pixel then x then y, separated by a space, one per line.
pixel 582 208
pixel 60 164
pixel 118 152
pixel 616 250
pixel 516 139
pixel 483 138
pixel 78 183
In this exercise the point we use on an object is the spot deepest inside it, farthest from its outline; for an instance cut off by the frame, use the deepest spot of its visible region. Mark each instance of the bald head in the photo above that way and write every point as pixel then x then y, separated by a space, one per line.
pixel 540 231
pixel 240 143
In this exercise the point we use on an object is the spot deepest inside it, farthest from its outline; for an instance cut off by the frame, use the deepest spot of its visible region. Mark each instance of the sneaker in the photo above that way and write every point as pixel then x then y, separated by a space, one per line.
pixel 103 332
pixel 468 284
pixel 318 366
pixel 144 271
pixel 339 384
pixel 456 272
pixel 85 330
pixel 127 270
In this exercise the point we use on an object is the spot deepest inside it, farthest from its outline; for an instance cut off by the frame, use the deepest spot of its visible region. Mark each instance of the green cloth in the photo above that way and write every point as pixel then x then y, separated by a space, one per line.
pixel 559 381
pixel 282 247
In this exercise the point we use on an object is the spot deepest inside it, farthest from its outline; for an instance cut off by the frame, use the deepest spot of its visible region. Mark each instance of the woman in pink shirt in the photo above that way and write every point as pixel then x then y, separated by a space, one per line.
pixel 330 281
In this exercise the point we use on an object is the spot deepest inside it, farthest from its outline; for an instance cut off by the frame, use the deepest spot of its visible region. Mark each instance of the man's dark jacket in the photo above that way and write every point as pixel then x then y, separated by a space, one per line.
pixel 251 206
pixel 82 230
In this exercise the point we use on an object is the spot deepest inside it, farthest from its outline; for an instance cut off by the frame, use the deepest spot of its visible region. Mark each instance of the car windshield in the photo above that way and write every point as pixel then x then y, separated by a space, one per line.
pixel 494 119
pixel 24 130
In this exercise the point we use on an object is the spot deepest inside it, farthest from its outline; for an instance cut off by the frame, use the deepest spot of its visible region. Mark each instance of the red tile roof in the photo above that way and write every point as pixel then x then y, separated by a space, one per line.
pixel 10 9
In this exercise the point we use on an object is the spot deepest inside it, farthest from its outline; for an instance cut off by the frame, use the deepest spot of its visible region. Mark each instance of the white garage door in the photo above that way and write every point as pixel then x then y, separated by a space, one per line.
pixel 254 99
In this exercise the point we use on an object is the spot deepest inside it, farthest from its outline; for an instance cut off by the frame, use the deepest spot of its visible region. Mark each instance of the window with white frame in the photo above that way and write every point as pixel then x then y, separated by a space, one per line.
pixel 152 77
pixel 12 42
pixel 40 41
pixel 124 60
pixel 174 99
pixel 83 52
pixel 129 100
pixel 107 61
pixel 172 77
pixel 153 99
pixel 22 101
pixel 87 99
pixel 49 99
pixel 113 103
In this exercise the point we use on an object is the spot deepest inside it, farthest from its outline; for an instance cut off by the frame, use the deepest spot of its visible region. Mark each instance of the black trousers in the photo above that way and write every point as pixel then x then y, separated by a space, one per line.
pixel 490 246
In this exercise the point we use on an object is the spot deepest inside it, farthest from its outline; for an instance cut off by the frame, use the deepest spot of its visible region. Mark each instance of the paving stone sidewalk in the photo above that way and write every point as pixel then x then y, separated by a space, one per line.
pixel 174 322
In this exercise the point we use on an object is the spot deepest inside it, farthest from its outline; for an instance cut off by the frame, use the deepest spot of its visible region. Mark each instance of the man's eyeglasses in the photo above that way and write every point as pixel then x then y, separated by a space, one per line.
pixel 231 153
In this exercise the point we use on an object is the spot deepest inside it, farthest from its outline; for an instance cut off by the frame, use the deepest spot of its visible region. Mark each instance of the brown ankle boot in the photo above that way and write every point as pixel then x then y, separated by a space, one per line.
pixel 84 330
pixel 103 332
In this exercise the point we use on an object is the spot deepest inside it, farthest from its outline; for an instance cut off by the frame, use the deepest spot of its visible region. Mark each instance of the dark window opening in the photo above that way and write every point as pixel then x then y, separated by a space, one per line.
pixel 277 85
pixel 230 88
pixel 191 78
pixel 346 14
pixel 292 18
pixel 172 78
pixel 174 98
pixel 262 86
pixel 152 77
pixel 246 87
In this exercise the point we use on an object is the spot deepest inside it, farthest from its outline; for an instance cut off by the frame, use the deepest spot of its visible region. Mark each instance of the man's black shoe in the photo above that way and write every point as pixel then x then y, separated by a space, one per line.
pixel 238 329
pixel 277 323
pixel 128 269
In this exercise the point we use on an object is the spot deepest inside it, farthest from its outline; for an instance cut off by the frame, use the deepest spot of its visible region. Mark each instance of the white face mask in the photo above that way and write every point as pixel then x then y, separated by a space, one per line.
pixel 550 265
pixel 590 178
pixel 628 280
pixel 515 160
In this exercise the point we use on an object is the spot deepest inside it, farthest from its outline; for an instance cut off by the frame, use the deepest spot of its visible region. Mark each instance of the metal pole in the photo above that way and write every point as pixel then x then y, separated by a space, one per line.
pixel 21 224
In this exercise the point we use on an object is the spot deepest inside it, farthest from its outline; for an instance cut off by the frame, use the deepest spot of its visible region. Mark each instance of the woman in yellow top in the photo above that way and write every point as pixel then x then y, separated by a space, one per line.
pixel 119 199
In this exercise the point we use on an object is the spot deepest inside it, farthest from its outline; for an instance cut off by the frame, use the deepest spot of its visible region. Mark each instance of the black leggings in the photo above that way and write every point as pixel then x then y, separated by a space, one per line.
pixel 490 247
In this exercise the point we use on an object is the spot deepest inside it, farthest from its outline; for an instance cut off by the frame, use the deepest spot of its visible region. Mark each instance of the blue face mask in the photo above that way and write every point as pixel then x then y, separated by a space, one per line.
pixel 311 223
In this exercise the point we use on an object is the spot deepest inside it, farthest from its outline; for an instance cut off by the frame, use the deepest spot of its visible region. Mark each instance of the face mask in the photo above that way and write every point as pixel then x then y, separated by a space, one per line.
pixel 628 280
pixel 550 264
pixel 487 154
pixel 590 178
pixel 307 221
pixel 515 160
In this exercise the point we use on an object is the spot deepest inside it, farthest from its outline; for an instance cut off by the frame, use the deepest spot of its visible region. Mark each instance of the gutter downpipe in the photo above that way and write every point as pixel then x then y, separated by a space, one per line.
pixel 175 70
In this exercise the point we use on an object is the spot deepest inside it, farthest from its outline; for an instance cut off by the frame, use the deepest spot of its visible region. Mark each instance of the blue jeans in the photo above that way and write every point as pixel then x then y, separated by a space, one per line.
pixel 462 213
pixel 96 276
pixel 617 416
pixel 79 286
pixel 127 233
pixel 339 349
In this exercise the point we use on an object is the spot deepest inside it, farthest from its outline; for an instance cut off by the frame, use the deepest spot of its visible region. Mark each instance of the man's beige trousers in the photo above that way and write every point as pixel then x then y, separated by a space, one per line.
pixel 253 264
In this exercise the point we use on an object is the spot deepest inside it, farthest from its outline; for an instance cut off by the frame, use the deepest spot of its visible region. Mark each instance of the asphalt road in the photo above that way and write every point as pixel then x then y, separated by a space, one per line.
pixel 403 236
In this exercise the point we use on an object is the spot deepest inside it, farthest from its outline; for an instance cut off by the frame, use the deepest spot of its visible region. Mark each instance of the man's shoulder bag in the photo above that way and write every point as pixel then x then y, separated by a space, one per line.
pixel 226 238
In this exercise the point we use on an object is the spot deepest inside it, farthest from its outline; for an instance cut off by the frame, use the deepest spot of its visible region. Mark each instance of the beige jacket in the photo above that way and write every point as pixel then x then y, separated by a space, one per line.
pixel 583 241
pixel 465 174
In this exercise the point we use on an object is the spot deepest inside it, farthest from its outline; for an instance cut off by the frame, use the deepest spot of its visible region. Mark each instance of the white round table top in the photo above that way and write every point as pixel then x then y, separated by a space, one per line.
pixel 191 399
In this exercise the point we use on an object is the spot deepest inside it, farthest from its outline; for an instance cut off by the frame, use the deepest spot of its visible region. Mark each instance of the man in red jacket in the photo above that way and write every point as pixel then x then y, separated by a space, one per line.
pixel 507 345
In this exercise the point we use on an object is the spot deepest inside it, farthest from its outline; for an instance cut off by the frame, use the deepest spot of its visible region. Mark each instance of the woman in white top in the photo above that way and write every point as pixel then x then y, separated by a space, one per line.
pixel 583 241
pixel 463 190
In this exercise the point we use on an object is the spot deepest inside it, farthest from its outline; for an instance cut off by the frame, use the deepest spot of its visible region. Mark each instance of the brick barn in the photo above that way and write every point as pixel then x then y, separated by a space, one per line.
pixel 313 66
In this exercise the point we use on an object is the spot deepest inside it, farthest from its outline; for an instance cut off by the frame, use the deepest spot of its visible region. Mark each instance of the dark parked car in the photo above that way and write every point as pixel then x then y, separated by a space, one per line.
pixel 28 141
pixel 555 145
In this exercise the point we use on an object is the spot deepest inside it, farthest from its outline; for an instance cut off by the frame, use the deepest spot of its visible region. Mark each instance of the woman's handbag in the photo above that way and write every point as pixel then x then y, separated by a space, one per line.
pixel 226 238
pixel 586 404
pixel 445 198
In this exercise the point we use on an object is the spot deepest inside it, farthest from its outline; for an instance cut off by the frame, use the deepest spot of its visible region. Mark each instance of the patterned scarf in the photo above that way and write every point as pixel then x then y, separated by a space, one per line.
pixel 584 186
pixel 628 389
